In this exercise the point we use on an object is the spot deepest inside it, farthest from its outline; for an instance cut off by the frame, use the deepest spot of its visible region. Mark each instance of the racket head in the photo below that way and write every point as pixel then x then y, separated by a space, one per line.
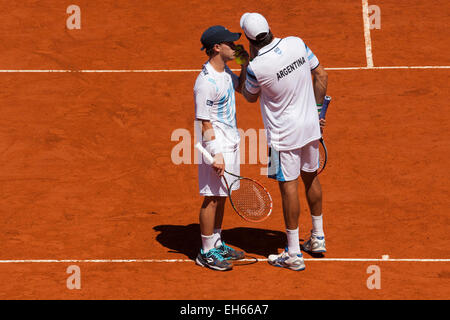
pixel 250 199
pixel 323 156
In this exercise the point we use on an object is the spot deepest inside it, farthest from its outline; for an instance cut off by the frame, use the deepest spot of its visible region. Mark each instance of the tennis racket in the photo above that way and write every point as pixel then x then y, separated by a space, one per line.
pixel 250 199
pixel 323 153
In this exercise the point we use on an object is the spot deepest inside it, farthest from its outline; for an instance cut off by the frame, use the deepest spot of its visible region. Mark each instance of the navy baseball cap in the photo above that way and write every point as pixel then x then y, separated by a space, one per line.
pixel 217 34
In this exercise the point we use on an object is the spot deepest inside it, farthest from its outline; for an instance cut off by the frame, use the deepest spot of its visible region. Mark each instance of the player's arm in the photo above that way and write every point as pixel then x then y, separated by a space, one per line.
pixel 212 146
pixel 241 53
pixel 249 96
pixel 251 89
pixel 320 76
pixel 242 78
pixel 320 83
pixel 253 51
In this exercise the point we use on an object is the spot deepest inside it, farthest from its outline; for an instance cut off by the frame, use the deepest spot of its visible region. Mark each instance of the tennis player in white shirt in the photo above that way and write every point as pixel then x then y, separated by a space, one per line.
pixel 279 74
pixel 215 112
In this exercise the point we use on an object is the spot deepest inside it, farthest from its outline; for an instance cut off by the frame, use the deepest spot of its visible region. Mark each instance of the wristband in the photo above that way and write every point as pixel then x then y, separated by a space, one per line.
pixel 319 107
pixel 213 147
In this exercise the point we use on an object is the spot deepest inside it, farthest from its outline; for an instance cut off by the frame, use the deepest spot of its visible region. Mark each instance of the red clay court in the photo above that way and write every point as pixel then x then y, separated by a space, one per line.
pixel 87 178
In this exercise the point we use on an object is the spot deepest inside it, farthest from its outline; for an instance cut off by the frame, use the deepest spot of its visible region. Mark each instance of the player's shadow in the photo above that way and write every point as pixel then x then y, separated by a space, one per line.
pixel 186 239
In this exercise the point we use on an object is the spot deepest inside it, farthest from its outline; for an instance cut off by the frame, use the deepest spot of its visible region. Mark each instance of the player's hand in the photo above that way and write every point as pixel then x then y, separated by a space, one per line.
pixel 242 56
pixel 219 164
pixel 322 123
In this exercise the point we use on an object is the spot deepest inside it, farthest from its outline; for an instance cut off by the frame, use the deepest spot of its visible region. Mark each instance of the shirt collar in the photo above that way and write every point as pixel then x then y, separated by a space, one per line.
pixel 269 47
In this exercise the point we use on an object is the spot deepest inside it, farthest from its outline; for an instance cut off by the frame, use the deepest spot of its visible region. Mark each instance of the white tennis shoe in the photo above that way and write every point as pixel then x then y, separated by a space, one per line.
pixel 314 245
pixel 284 260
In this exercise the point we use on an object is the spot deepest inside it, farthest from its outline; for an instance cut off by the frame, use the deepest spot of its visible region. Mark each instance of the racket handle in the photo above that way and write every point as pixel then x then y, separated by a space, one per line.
pixel 326 102
pixel 209 159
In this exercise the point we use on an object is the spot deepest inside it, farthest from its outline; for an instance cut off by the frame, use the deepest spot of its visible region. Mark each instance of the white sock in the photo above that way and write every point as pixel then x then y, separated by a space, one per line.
pixel 207 243
pixel 317 223
pixel 217 237
pixel 293 242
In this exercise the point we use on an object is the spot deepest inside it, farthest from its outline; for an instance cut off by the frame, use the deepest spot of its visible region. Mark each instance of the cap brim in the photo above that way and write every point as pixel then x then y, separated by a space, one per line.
pixel 227 37
pixel 234 36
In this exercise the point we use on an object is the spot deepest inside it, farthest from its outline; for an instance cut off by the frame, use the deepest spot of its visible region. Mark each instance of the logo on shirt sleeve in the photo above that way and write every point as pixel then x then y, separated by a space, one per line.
pixel 209 103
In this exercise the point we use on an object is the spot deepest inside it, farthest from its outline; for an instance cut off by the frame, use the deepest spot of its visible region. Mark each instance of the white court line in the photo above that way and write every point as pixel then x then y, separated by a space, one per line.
pixel 390 68
pixel 102 71
pixel 188 260
pixel 198 70
pixel 367 39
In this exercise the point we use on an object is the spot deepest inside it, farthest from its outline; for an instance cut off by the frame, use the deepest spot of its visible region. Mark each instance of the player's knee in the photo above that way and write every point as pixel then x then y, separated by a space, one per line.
pixel 289 194
pixel 211 202
pixel 288 186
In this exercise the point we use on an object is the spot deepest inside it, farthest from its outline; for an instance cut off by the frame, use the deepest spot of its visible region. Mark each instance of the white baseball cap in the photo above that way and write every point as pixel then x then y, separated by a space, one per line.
pixel 254 24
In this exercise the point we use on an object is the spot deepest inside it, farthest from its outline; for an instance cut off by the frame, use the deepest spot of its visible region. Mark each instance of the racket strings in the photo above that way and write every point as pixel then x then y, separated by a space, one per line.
pixel 251 199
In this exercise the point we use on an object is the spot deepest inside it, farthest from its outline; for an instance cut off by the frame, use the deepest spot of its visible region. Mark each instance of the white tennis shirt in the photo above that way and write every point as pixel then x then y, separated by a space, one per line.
pixel 282 73
pixel 215 101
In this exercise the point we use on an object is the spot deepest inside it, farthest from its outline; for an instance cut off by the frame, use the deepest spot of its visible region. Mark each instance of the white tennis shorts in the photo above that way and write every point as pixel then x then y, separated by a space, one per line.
pixel 209 182
pixel 287 165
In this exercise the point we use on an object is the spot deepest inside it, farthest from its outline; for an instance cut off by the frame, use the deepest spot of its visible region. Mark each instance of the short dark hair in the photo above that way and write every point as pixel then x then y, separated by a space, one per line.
pixel 262 39
pixel 210 52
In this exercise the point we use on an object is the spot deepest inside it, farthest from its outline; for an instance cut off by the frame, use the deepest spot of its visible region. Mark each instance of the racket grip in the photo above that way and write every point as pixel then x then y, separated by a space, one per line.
pixel 326 102
pixel 209 159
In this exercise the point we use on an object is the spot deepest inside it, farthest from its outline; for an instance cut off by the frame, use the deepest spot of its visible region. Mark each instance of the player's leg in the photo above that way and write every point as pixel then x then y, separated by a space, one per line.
pixel 207 218
pixel 214 198
pixel 225 250
pixel 217 232
pixel 291 213
pixel 313 191
pixel 285 167
pixel 232 164
pixel 290 203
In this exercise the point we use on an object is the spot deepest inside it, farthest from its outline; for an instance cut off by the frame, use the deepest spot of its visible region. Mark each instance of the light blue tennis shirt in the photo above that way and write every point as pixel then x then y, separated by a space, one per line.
pixel 214 95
